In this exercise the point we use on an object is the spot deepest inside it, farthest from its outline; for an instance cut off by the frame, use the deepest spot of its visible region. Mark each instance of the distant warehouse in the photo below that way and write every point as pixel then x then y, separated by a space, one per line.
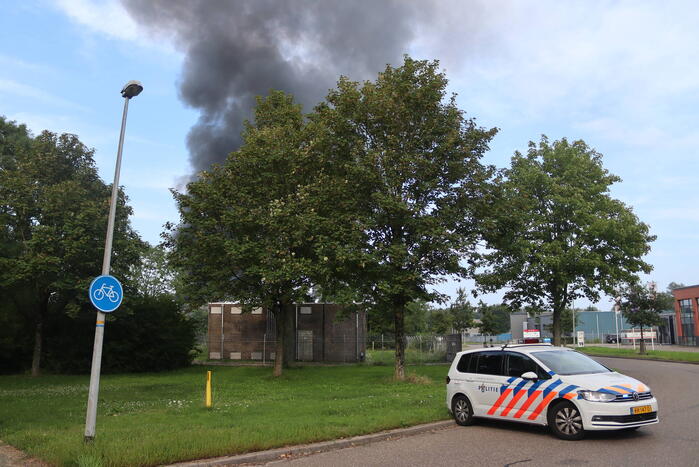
pixel 322 333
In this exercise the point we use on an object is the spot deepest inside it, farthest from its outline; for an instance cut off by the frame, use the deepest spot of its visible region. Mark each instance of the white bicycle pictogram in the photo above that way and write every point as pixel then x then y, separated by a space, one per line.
pixel 106 291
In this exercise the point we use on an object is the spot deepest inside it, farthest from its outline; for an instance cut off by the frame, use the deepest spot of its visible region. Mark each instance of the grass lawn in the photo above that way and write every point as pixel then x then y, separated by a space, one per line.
pixel 412 357
pixel 650 354
pixel 154 418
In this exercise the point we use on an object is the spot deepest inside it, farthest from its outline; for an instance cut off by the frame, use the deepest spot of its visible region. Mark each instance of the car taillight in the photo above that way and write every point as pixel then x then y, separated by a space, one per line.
pixel 448 379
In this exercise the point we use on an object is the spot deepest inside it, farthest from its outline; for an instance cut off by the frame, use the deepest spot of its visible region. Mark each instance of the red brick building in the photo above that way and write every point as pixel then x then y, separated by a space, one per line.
pixel 323 333
pixel 687 314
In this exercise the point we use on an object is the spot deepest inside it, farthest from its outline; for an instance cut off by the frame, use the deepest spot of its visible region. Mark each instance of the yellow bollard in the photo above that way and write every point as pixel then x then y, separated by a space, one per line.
pixel 208 389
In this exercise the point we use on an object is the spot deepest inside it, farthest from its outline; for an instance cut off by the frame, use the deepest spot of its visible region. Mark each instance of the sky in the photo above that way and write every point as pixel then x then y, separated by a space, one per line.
pixel 623 76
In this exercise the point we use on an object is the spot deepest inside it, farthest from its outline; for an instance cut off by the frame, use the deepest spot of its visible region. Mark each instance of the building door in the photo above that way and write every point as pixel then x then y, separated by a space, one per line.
pixel 671 328
pixel 304 344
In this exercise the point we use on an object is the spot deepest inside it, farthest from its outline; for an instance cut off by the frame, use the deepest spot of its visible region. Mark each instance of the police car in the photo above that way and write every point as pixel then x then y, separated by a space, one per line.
pixel 546 385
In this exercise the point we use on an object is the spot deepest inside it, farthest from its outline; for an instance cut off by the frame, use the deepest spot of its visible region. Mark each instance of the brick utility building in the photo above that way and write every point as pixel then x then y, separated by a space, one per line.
pixel 322 334
pixel 687 314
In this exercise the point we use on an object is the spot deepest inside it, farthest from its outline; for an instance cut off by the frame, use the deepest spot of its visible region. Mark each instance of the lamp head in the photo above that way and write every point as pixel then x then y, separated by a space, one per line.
pixel 131 89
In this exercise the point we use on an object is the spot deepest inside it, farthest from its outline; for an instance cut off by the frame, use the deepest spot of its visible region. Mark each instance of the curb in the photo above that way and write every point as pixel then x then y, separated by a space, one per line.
pixel 644 359
pixel 307 449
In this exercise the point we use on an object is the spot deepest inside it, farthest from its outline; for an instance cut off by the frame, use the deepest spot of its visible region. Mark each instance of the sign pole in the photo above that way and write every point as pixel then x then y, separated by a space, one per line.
pixel 132 88
pixel 575 335
pixel 91 417
pixel 617 309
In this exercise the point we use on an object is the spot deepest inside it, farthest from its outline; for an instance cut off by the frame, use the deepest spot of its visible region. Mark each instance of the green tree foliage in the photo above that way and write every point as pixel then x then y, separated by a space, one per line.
pixel 642 305
pixel 555 234
pixel 674 285
pixel 440 321
pixel 259 229
pixel 417 316
pixel 153 334
pixel 461 311
pixel 53 209
pixel 499 316
pixel 489 323
pixel 150 333
pixel 53 214
pixel 152 275
pixel 412 172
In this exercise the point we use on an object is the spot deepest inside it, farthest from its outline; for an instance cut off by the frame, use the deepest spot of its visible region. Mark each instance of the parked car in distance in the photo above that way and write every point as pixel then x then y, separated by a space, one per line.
pixel 610 338
pixel 546 385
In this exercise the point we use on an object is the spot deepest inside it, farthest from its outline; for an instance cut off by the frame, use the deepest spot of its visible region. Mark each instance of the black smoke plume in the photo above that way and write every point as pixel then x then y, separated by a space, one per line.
pixel 238 49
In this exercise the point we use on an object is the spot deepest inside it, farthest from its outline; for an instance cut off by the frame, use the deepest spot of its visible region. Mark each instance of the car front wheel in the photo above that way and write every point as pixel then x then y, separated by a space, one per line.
pixel 462 410
pixel 565 421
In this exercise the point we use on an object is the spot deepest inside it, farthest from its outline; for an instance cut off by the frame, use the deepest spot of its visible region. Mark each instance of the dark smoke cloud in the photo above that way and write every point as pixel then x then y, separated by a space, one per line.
pixel 238 49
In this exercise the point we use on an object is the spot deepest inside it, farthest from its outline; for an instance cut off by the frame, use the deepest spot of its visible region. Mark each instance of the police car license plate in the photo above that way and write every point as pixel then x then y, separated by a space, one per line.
pixel 641 409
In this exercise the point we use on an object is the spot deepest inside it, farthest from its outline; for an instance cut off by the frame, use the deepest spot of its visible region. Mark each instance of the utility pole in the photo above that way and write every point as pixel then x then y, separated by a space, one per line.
pixel 131 89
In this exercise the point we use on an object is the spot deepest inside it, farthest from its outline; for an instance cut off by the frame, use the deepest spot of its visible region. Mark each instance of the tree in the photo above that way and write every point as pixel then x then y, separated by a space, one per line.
pixel 409 160
pixel 440 321
pixel 642 305
pixel 674 285
pixel 153 275
pixel 259 228
pixel 461 312
pixel 417 315
pixel 500 315
pixel 555 234
pixel 489 324
pixel 53 212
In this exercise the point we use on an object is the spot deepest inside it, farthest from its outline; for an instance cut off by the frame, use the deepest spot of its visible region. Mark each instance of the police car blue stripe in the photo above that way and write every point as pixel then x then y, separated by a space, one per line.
pixel 550 387
pixel 535 386
pixel 505 386
pixel 521 385
pixel 567 389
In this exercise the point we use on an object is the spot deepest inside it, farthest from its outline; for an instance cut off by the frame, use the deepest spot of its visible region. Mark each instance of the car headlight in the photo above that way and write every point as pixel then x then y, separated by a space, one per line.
pixel 597 396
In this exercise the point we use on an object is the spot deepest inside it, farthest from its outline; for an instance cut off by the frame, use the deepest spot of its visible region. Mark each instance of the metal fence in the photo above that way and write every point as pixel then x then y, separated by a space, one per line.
pixel 419 348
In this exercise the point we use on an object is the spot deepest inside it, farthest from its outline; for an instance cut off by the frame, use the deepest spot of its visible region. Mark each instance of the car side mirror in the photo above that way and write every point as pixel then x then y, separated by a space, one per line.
pixel 530 375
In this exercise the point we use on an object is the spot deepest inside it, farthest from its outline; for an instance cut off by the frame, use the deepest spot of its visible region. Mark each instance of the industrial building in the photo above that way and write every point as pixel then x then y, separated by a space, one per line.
pixel 323 333
pixel 687 314
pixel 597 325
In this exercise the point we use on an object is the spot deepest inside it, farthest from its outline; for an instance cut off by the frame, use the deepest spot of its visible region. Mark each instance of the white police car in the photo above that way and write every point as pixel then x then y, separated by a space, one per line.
pixel 546 385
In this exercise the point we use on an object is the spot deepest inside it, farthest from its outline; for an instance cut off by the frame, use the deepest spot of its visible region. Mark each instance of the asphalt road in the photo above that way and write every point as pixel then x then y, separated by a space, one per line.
pixel 672 442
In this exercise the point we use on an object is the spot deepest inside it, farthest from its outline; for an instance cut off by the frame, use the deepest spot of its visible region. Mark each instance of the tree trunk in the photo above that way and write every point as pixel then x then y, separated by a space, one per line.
pixel 39 337
pixel 279 345
pixel 642 345
pixel 289 329
pixel 398 317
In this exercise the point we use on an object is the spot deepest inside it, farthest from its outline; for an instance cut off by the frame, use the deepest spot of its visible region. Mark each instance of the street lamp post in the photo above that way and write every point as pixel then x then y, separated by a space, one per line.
pixel 575 334
pixel 131 89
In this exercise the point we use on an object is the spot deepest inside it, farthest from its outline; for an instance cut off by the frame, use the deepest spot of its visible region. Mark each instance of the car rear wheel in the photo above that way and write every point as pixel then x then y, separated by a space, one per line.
pixel 462 410
pixel 565 421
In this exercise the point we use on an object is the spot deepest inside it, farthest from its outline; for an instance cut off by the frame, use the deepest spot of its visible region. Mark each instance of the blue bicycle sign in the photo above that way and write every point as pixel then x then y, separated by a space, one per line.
pixel 106 293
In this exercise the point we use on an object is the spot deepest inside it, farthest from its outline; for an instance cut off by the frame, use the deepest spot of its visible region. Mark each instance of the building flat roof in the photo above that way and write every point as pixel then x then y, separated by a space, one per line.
pixel 686 287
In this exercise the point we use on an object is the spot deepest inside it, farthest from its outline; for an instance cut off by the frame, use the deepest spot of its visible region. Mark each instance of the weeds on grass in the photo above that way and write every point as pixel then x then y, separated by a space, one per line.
pixel 418 379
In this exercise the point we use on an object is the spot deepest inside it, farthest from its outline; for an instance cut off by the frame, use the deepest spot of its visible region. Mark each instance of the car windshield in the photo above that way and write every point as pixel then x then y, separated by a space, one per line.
pixel 568 362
